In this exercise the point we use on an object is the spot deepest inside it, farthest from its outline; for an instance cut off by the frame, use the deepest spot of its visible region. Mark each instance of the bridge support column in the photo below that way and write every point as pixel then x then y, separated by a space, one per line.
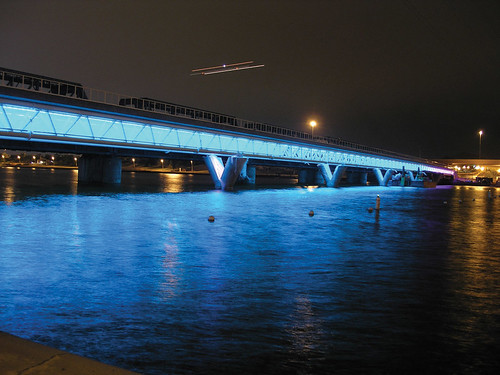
pixel 351 177
pixel 307 176
pixel 247 174
pixel 224 177
pixel 332 179
pixel 319 179
pixel 363 179
pixel 383 180
pixel 99 169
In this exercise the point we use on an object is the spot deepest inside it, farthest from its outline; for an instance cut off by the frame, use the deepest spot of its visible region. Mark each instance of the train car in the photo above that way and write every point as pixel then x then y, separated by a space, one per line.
pixel 29 81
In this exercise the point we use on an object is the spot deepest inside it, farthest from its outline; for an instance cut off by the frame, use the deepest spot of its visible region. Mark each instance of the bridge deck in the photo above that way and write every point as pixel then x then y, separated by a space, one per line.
pixel 30 112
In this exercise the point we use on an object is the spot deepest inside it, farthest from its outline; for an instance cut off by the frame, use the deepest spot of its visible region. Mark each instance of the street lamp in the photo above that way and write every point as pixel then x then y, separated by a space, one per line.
pixel 161 160
pixel 312 124
pixel 480 136
pixel 133 161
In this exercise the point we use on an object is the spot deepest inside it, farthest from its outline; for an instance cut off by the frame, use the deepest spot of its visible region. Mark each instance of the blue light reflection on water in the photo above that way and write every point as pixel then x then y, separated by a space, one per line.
pixel 140 279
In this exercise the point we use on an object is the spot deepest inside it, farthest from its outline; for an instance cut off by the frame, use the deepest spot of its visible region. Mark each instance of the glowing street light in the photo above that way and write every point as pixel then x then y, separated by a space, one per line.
pixel 133 161
pixel 480 136
pixel 161 160
pixel 76 161
pixel 312 124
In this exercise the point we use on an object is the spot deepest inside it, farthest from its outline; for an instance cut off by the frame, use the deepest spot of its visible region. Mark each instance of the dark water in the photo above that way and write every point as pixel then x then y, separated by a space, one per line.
pixel 137 277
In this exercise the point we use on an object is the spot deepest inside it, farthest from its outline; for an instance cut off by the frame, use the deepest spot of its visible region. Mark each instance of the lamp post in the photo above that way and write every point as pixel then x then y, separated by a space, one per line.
pixel 133 162
pixel 161 160
pixel 480 136
pixel 312 124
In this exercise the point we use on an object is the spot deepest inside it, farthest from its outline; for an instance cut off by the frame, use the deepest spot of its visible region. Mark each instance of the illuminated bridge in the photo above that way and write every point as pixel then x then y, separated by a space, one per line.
pixel 40 113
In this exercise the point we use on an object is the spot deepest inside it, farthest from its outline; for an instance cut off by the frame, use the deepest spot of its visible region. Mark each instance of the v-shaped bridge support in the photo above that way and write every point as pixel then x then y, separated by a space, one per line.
pixel 224 176
pixel 332 179
pixel 383 180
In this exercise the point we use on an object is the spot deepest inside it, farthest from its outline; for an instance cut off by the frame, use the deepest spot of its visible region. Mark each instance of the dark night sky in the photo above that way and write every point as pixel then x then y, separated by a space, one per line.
pixel 414 76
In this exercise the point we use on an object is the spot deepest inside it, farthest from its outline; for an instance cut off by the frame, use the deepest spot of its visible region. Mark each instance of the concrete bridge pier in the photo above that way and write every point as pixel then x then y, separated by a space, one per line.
pixel 307 176
pixel 383 180
pixel 332 179
pixel 99 169
pixel 224 176
pixel 357 177
pixel 363 178
pixel 247 174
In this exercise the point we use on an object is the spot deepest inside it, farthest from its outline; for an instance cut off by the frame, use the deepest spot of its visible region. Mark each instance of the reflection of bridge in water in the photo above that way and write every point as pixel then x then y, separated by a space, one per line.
pixel 40 113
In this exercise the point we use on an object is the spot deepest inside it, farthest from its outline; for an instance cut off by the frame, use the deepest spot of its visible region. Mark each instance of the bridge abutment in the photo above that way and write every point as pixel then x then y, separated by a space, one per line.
pixel 99 169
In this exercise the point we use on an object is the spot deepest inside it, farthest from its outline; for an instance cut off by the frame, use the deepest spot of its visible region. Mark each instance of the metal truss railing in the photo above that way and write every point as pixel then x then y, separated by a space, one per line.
pixel 68 127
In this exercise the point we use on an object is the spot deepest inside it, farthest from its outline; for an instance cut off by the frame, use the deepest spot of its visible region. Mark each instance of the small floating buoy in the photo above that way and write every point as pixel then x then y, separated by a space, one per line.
pixel 311 213
pixel 211 219
pixel 370 209
pixel 377 204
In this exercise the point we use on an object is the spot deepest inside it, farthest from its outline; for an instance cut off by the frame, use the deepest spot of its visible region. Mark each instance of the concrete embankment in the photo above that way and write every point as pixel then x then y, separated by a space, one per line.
pixel 19 356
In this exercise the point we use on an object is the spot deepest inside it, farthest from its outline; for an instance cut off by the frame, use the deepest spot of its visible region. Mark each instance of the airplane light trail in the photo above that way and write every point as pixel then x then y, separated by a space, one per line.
pixel 225 68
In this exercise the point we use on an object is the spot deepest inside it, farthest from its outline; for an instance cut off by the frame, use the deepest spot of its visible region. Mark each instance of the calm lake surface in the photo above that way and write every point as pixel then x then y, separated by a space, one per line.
pixel 136 276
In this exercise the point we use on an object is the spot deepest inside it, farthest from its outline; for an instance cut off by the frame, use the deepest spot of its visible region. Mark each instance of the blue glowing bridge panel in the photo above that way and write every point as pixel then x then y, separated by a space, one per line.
pixel 67 127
